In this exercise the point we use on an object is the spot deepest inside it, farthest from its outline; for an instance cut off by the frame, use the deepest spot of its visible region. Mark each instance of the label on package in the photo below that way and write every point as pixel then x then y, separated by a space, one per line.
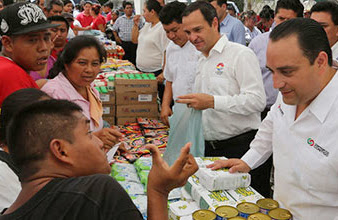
pixel 106 110
pixel 104 97
pixel 145 98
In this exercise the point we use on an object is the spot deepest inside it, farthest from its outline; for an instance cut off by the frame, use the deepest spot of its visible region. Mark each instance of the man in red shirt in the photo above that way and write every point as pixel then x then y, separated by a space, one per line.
pixel 26 46
pixel 84 17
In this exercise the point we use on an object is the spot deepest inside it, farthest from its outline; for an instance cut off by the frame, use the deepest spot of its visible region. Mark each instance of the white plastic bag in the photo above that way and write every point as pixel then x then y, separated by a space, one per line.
pixel 185 126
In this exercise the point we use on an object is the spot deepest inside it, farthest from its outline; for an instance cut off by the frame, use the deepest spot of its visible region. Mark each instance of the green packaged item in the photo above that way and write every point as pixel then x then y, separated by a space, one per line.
pixel 118 76
pixel 103 89
pixel 98 89
pixel 111 78
pixel 143 163
pixel 143 174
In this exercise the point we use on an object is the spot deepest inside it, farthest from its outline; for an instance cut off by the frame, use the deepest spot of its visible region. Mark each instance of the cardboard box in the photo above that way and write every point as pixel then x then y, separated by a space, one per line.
pixel 129 98
pixel 108 98
pixel 109 119
pixel 135 85
pixel 147 110
pixel 109 110
pixel 123 120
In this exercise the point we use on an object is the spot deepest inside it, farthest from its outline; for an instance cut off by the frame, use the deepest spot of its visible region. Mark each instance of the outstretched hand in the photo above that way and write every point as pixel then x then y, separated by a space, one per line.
pixel 234 165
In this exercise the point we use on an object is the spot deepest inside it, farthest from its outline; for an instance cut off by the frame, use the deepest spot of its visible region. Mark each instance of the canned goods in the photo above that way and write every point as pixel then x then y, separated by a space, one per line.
pixel 225 212
pixel 247 208
pixel 265 205
pixel 237 218
pixel 280 214
pixel 204 214
pixel 259 216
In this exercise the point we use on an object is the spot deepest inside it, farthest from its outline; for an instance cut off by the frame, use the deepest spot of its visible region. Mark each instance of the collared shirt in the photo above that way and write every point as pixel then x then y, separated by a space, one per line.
pixel 85 20
pixel 61 88
pixel 124 25
pixel 334 49
pixel 231 74
pixel 181 66
pixel 249 35
pixel 305 154
pixel 259 46
pixel 233 28
pixel 152 42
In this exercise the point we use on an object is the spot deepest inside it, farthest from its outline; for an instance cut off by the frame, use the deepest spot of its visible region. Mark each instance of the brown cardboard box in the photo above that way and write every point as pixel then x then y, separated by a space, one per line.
pixel 108 98
pixel 123 120
pixel 129 98
pixel 109 119
pixel 147 110
pixel 135 85
pixel 109 110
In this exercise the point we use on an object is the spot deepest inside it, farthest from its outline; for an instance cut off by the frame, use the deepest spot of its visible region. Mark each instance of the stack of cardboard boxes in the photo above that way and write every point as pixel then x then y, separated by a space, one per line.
pixel 136 96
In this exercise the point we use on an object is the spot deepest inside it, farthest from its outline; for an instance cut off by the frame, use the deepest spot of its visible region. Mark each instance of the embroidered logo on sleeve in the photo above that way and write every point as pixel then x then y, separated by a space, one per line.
pixel 219 68
pixel 313 144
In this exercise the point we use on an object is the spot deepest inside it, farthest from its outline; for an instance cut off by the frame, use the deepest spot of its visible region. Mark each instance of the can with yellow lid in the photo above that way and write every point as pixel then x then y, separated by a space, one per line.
pixel 204 214
pixel 225 212
pixel 237 218
pixel 280 214
pixel 259 216
pixel 265 205
pixel 247 208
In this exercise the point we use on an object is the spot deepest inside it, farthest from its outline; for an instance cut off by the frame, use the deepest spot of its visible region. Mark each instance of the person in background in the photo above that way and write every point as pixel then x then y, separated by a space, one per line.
pixel 301 128
pixel 67 6
pixel 231 10
pixel 99 22
pixel 285 10
pixel 266 16
pixel 249 19
pixel 53 7
pixel 114 16
pixel 84 17
pixel 77 10
pixel 2 5
pixel 122 30
pixel 72 77
pixel 69 17
pixel 232 27
pixel 30 51
pixel 59 34
pixel 41 4
pixel 181 58
pixel 228 88
pixel 152 42
pixel 107 9
pixel 326 14
pixel 9 172
pixel 64 169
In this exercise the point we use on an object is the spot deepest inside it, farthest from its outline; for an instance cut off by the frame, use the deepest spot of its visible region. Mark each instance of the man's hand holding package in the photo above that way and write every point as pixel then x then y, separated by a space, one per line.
pixel 199 101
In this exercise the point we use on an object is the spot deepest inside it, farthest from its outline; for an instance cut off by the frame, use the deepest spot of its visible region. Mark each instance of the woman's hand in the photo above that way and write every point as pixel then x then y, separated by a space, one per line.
pixel 109 136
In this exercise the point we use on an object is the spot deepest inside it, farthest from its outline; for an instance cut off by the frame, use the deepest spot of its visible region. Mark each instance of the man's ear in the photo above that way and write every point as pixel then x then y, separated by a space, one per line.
pixel 7 43
pixel 60 149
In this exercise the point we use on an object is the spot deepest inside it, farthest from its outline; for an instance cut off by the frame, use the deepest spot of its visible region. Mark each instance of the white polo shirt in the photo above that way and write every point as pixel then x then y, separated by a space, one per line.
pixel 334 49
pixel 152 42
pixel 181 66
pixel 232 75
pixel 305 155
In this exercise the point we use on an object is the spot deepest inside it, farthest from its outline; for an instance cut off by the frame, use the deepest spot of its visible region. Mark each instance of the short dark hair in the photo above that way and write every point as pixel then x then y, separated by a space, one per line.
pixel 34 127
pixel 13 103
pixel 153 5
pixel 72 50
pixel 311 37
pixel 294 5
pixel 267 14
pixel 172 12
pixel 59 18
pixel 109 4
pixel 220 2
pixel 49 4
pixel 329 7
pixel 96 9
pixel 206 9
pixel 65 2
pixel 124 4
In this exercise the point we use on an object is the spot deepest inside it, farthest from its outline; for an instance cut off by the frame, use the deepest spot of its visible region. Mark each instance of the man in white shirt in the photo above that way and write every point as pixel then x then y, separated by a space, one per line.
pixel 301 128
pixel 181 58
pixel 228 88
pixel 326 14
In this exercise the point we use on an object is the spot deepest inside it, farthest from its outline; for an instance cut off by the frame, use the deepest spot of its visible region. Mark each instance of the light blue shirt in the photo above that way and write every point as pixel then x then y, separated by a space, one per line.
pixel 259 45
pixel 234 29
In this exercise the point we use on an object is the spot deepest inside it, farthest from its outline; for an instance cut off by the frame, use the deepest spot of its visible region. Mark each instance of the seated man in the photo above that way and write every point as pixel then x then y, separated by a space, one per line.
pixel 61 161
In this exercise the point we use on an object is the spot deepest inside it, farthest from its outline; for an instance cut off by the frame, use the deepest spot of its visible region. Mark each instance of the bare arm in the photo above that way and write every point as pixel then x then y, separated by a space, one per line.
pixel 167 97
pixel 135 30
pixel 117 38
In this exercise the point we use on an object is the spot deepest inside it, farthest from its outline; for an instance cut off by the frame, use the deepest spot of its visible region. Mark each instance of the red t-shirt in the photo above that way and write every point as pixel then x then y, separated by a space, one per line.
pixel 84 19
pixel 97 21
pixel 12 78
pixel 108 18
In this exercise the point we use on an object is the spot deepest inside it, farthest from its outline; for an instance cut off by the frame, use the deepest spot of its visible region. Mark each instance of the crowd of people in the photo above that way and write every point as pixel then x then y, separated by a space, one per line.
pixel 265 83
